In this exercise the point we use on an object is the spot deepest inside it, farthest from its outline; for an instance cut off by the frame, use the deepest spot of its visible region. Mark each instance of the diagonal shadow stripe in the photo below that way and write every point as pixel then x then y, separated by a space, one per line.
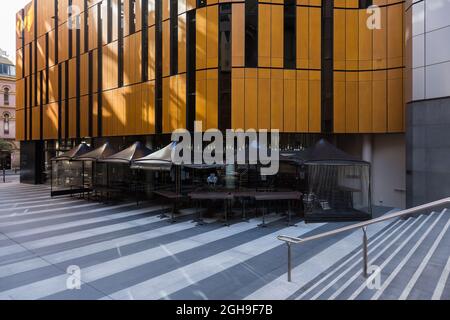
pixel 49 271
pixel 51 249
pixel 107 214
pixel 38 207
pixel 239 281
pixel 67 237
pixel 63 231
pixel 88 250
pixel 19 194
pixel 16 219
pixel 27 223
pixel 342 264
pixel 434 269
pixel 63 216
pixel 11 204
pixel 141 273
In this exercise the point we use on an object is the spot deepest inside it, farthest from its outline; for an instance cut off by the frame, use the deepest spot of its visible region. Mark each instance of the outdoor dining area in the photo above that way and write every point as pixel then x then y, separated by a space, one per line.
pixel 318 184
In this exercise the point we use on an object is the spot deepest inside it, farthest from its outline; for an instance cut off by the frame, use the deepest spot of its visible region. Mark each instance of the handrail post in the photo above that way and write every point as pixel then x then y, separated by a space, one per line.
pixel 364 250
pixel 289 261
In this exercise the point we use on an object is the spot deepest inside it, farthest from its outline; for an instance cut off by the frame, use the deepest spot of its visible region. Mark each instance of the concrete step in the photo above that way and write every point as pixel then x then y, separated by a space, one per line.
pixel 352 270
pixel 396 249
pixel 408 259
pixel 401 268
pixel 351 260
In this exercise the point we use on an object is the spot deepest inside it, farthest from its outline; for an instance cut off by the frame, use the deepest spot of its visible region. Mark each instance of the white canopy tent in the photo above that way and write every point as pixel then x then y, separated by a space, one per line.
pixel 160 160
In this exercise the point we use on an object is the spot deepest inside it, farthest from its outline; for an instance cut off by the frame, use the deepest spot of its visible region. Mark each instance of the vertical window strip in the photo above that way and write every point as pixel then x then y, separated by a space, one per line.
pixel 225 66
pixel 59 102
pixel 69 30
pixel 77 83
pixel 327 65
pixel 90 90
pixel 121 15
pixel 364 4
pixel 66 100
pixel 35 102
pixel 56 32
pixel 100 71
pixel 290 28
pixel 173 37
pixel 86 25
pixel 158 71
pixel 201 3
pixel 190 69
pixel 30 106
pixel 251 33
pixel 23 45
pixel 109 17
pixel 41 106
pixel 144 39
pixel 46 68
pixel 25 118
pixel 132 17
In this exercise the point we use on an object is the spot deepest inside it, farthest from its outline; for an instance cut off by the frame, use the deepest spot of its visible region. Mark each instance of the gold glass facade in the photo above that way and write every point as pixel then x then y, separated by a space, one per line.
pixel 85 72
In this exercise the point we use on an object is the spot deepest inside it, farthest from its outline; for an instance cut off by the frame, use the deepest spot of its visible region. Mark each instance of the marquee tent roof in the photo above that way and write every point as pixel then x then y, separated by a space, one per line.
pixel 73 154
pixel 324 151
pixel 98 154
pixel 127 156
pixel 160 160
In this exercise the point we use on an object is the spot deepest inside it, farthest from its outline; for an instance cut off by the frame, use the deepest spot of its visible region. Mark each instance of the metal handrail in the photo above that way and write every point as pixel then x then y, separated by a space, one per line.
pixel 363 225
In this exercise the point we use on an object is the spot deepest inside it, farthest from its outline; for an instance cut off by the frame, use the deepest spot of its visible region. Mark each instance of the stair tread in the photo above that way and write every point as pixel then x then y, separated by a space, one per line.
pixel 346 262
pixel 413 254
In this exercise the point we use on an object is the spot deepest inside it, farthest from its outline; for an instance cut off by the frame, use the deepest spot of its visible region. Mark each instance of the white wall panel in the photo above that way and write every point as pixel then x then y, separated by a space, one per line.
pixel 418 54
pixel 418 83
pixel 438 46
pixel 430 49
pixel 438 80
pixel 418 17
pixel 437 14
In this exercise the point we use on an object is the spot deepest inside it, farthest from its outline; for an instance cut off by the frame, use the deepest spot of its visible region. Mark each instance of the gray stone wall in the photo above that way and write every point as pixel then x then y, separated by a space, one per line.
pixel 428 151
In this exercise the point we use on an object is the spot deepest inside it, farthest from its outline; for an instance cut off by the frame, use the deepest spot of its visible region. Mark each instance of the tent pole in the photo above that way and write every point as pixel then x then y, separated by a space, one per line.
pixel 178 179
pixel 370 191
pixel 51 180
pixel 82 176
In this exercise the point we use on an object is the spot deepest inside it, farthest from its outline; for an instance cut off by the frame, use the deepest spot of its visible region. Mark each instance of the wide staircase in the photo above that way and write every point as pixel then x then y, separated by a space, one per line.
pixel 407 259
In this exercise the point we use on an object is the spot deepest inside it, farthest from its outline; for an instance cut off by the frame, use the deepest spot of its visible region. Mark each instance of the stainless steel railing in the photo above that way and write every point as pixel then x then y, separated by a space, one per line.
pixel 362 225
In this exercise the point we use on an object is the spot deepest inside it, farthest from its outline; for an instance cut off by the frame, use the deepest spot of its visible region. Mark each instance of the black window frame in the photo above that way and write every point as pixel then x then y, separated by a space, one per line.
pixel 158 67
pixel 201 3
pixel 132 16
pixel 6 119
pixel 225 66
pixel 173 37
pixel 191 53
pixel 121 21
pixel 251 33
pixel 290 34
pixel 6 96
pixel 364 4
pixel 327 74
pixel 144 52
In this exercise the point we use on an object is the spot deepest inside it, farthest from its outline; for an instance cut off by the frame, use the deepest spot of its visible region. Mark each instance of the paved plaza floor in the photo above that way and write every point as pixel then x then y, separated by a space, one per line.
pixel 124 251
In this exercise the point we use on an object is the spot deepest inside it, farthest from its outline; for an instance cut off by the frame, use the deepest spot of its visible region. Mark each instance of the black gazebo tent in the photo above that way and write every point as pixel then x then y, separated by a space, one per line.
pixel 68 175
pixel 92 158
pixel 339 187
pixel 119 176
pixel 161 161
pixel 98 154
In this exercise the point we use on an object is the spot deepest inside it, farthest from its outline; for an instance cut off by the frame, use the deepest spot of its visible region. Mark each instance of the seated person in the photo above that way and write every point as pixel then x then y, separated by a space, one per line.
pixel 212 179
